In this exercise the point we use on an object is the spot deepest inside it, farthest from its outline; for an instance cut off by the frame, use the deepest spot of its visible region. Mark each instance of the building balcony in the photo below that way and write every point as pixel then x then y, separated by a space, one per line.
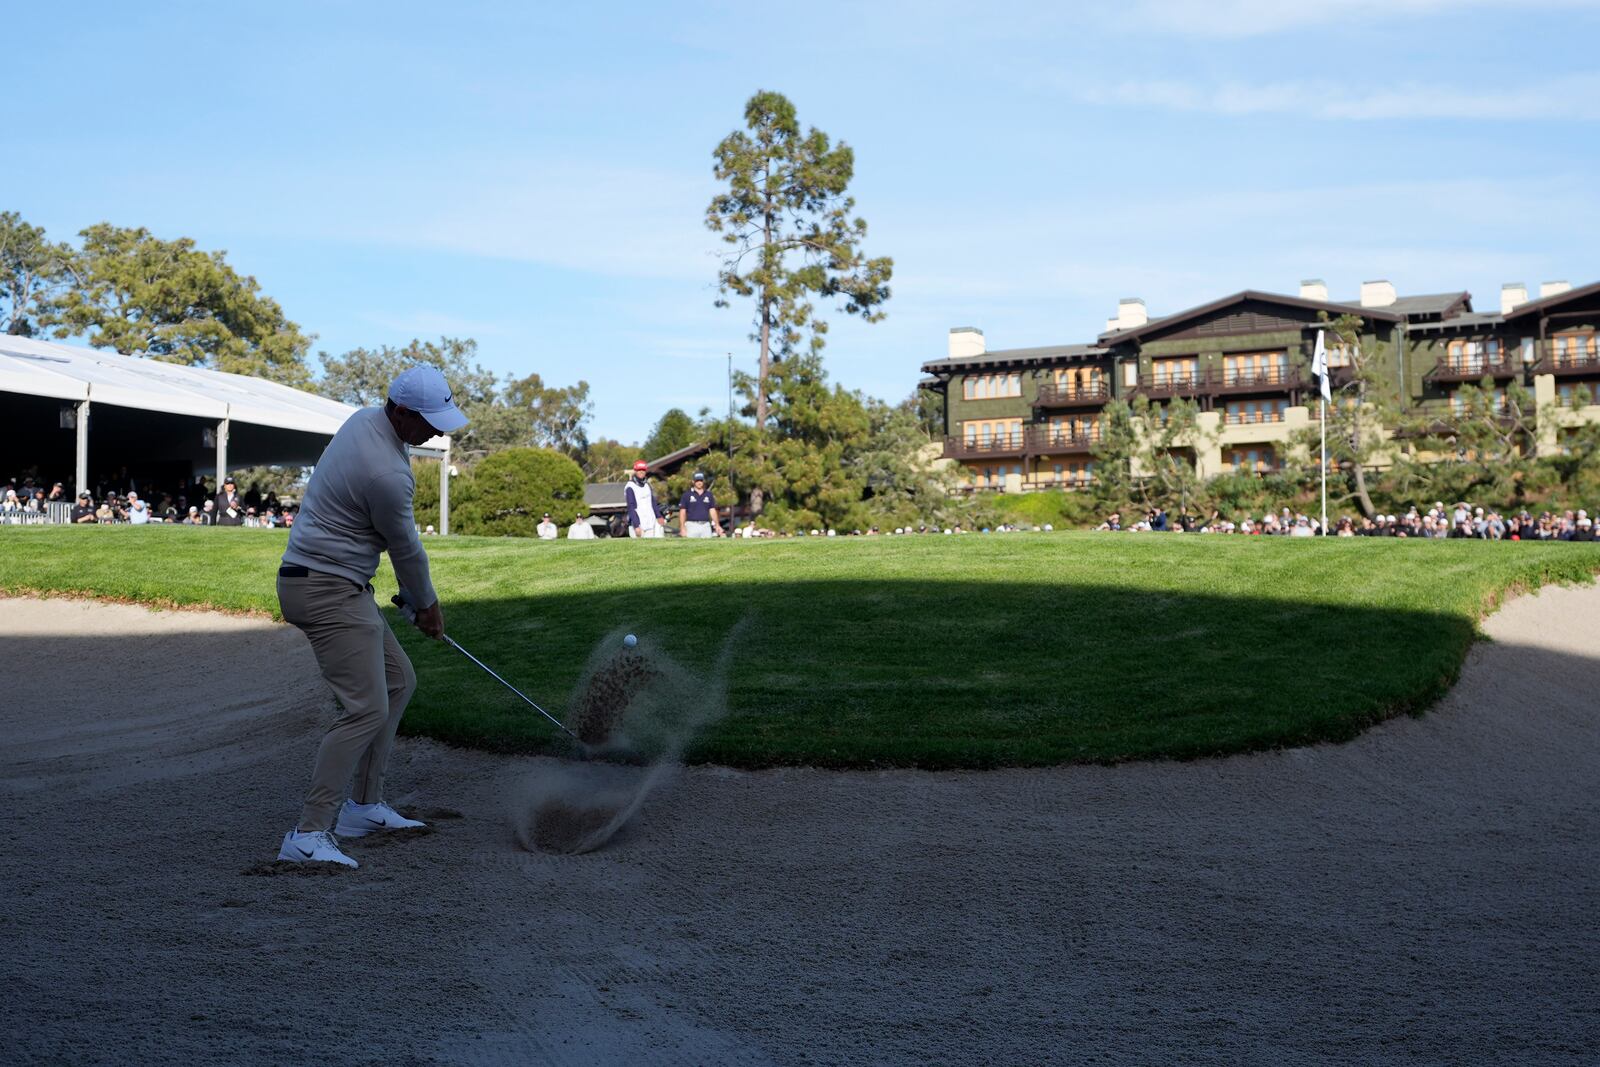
pixel 995 446
pixel 1168 386
pixel 1264 380
pixel 1569 366
pixel 1068 396
pixel 1045 441
pixel 1473 370
pixel 1215 382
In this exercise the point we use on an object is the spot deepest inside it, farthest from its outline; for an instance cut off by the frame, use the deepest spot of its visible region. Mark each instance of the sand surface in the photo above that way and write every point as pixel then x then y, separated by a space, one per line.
pixel 1427 894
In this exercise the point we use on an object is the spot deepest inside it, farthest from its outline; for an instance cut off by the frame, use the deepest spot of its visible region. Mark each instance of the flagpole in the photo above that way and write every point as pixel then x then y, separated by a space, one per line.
pixel 1322 417
pixel 1319 367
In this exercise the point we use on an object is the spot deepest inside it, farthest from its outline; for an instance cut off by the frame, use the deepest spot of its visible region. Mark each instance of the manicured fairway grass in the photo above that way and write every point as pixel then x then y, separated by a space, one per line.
pixel 974 651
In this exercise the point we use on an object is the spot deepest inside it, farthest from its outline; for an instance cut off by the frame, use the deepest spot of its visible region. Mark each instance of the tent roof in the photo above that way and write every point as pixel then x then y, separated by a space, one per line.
pixel 66 372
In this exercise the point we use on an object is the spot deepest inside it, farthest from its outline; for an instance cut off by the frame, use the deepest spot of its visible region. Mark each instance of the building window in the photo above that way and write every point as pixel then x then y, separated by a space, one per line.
pixel 1244 368
pixel 991 386
pixel 1073 428
pixel 1573 395
pixel 1255 459
pixel 1077 381
pixel 1576 346
pixel 1248 412
pixel 992 433
pixel 1473 357
pixel 1338 354
pixel 1496 399
pixel 1169 372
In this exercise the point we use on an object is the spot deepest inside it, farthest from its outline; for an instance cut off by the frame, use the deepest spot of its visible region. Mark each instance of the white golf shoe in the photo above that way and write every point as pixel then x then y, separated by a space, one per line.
pixel 317 846
pixel 359 820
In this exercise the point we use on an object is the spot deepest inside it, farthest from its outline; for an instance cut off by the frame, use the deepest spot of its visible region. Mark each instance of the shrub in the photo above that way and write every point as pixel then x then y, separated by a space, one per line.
pixel 508 492
pixel 1054 506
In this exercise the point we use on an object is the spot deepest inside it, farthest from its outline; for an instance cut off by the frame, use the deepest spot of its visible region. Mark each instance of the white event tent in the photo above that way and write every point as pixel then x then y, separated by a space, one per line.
pixel 110 410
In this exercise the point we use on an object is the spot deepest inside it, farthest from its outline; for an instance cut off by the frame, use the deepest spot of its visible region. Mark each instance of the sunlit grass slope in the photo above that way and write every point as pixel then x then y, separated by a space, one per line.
pixel 972 651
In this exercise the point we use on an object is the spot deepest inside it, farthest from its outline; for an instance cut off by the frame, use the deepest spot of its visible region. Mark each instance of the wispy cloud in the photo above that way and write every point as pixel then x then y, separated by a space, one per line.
pixel 1575 97
pixel 1252 18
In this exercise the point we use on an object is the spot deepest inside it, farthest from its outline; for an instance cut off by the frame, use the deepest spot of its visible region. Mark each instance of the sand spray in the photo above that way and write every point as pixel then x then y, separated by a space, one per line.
pixel 638 709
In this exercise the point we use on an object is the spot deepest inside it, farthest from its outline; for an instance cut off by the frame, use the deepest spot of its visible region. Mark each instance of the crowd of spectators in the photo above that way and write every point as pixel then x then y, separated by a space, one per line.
pixel 192 504
pixel 195 504
pixel 1463 520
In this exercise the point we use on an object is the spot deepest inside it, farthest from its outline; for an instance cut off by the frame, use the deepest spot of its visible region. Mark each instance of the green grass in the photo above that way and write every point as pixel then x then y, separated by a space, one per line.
pixel 935 651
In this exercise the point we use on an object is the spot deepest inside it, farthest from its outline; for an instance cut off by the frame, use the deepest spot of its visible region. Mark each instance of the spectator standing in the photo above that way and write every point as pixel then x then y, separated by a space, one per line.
pixel 208 514
pixel 83 511
pixel 697 511
pixel 580 530
pixel 230 509
pixel 138 512
pixel 644 514
pixel 547 530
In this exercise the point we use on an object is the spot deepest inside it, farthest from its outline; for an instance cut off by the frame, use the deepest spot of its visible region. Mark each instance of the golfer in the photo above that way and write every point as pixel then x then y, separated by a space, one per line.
pixel 697 511
pixel 644 514
pixel 358 505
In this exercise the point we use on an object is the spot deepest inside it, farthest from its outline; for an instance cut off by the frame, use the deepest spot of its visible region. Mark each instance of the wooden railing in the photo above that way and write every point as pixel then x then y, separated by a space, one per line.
pixel 1221 380
pixel 1568 364
pixel 1044 440
pixel 1063 396
pixel 977 447
pixel 1471 370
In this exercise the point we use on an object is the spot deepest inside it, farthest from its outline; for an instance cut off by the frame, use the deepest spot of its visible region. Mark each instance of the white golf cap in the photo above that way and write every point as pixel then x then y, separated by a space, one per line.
pixel 424 390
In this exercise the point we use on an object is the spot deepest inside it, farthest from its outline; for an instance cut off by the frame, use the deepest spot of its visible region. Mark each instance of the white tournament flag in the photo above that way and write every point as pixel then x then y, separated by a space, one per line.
pixel 1319 367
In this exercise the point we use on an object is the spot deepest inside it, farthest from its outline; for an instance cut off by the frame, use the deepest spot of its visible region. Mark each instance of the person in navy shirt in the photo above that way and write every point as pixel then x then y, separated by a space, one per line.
pixel 697 511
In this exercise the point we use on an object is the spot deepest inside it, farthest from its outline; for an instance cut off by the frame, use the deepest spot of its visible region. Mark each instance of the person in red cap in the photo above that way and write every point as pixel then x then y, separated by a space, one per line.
pixel 645 515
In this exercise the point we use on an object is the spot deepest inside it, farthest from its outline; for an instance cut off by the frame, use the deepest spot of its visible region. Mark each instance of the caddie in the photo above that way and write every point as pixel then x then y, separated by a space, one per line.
pixel 358 505
pixel 644 513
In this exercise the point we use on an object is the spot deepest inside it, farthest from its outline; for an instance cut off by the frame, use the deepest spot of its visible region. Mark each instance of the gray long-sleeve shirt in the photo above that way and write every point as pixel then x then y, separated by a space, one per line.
pixel 358 505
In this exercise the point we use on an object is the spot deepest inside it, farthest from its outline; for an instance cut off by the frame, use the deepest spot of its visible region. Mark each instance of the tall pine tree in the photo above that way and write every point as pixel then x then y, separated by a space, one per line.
pixel 787 219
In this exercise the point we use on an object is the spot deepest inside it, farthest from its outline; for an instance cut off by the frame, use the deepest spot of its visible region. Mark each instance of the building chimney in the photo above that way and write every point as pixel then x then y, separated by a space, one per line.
pixel 1553 288
pixel 1379 294
pixel 1314 289
pixel 1113 324
pixel 965 342
pixel 1512 295
pixel 1131 313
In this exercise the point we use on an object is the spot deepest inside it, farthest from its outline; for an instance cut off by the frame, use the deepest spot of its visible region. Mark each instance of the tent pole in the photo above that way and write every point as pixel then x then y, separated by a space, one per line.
pixel 444 490
pixel 81 472
pixel 222 453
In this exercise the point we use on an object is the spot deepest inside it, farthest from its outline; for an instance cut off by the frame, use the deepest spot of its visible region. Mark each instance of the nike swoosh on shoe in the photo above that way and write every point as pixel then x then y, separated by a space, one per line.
pixel 304 853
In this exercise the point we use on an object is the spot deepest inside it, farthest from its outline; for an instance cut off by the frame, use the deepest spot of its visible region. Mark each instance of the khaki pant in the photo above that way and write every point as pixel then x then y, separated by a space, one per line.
pixel 370 675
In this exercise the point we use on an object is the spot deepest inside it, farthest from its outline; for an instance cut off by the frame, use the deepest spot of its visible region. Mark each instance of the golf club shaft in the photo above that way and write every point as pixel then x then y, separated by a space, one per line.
pixel 490 671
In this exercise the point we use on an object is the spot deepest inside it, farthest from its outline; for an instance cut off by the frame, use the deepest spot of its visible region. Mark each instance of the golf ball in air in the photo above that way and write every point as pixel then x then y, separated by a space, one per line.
pixel 630 641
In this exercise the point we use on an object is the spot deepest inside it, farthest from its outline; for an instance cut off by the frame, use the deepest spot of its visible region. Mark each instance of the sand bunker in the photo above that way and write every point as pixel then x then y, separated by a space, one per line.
pixel 1422 895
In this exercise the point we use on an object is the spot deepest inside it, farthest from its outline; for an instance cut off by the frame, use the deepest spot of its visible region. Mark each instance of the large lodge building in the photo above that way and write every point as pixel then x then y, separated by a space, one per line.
pixel 1027 418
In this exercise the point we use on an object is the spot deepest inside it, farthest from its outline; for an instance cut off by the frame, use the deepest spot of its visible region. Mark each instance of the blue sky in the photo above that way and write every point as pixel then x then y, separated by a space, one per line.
pixel 536 177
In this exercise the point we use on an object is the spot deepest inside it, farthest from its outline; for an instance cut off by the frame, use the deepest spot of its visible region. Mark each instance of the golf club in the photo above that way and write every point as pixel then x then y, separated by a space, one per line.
pixel 410 613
